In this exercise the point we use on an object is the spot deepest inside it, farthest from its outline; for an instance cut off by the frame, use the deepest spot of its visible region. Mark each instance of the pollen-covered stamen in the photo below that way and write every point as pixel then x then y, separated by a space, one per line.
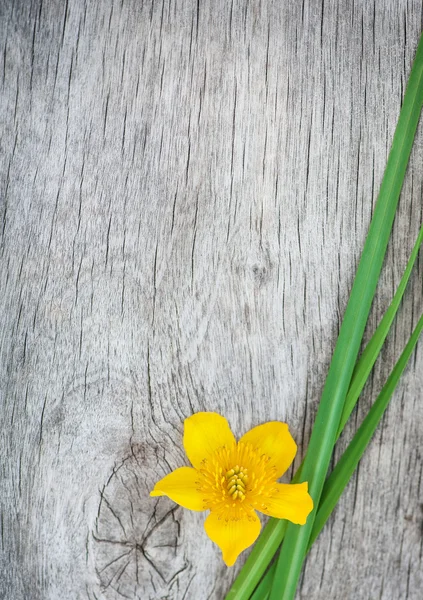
pixel 237 480
pixel 238 488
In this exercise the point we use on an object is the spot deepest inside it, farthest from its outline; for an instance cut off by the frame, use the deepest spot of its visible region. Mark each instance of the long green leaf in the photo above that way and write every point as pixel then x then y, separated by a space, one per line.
pixel 273 533
pixel 262 591
pixel 368 357
pixel 341 475
pixel 345 354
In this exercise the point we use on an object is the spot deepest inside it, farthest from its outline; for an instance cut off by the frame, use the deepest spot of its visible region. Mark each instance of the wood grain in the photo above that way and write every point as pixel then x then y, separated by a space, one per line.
pixel 185 192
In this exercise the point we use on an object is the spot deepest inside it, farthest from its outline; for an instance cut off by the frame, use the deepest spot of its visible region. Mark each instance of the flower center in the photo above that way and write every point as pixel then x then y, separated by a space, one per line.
pixel 236 480
pixel 235 489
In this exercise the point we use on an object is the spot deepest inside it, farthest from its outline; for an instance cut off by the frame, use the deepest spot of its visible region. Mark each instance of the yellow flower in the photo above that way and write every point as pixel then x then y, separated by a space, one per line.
pixel 233 480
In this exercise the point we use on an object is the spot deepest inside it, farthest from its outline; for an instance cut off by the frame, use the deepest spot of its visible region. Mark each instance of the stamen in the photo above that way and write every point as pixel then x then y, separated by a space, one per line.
pixel 236 482
pixel 225 489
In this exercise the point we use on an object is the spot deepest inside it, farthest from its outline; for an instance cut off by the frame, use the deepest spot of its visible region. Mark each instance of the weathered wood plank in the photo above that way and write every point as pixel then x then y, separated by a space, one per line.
pixel 185 191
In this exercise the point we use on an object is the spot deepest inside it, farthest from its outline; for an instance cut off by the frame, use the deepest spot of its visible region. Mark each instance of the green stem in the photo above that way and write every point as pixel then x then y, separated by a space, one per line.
pixel 368 357
pixel 345 354
pixel 274 532
pixel 340 476
pixel 347 464
pixel 262 591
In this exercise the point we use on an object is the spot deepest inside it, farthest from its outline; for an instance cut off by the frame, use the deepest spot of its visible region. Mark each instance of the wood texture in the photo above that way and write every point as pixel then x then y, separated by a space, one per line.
pixel 185 191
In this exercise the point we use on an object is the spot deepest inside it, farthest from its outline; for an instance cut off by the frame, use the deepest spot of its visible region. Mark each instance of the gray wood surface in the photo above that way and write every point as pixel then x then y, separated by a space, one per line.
pixel 185 191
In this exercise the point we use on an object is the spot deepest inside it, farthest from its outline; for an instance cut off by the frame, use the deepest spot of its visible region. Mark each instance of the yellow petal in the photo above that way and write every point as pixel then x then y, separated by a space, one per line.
pixel 204 433
pixel 274 440
pixel 286 501
pixel 181 487
pixel 232 536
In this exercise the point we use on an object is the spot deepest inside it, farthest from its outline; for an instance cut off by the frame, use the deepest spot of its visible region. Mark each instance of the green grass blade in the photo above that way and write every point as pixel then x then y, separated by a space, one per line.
pixel 345 354
pixel 340 476
pixel 273 534
pixel 371 352
pixel 262 591
pixel 262 553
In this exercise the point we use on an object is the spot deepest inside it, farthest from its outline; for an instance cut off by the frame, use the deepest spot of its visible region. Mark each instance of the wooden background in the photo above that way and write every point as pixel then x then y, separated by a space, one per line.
pixel 186 187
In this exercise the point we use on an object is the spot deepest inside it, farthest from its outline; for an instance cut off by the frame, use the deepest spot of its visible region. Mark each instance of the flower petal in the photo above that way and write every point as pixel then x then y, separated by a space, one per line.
pixel 181 487
pixel 274 440
pixel 232 536
pixel 286 501
pixel 204 433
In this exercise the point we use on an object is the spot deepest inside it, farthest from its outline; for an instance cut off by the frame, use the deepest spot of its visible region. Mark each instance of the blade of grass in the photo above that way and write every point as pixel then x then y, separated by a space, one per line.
pixel 344 357
pixel 371 352
pixel 274 532
pixel 263 589
pixel 341 475
pixel 262 592
pixel 345 467
pixel 262 553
